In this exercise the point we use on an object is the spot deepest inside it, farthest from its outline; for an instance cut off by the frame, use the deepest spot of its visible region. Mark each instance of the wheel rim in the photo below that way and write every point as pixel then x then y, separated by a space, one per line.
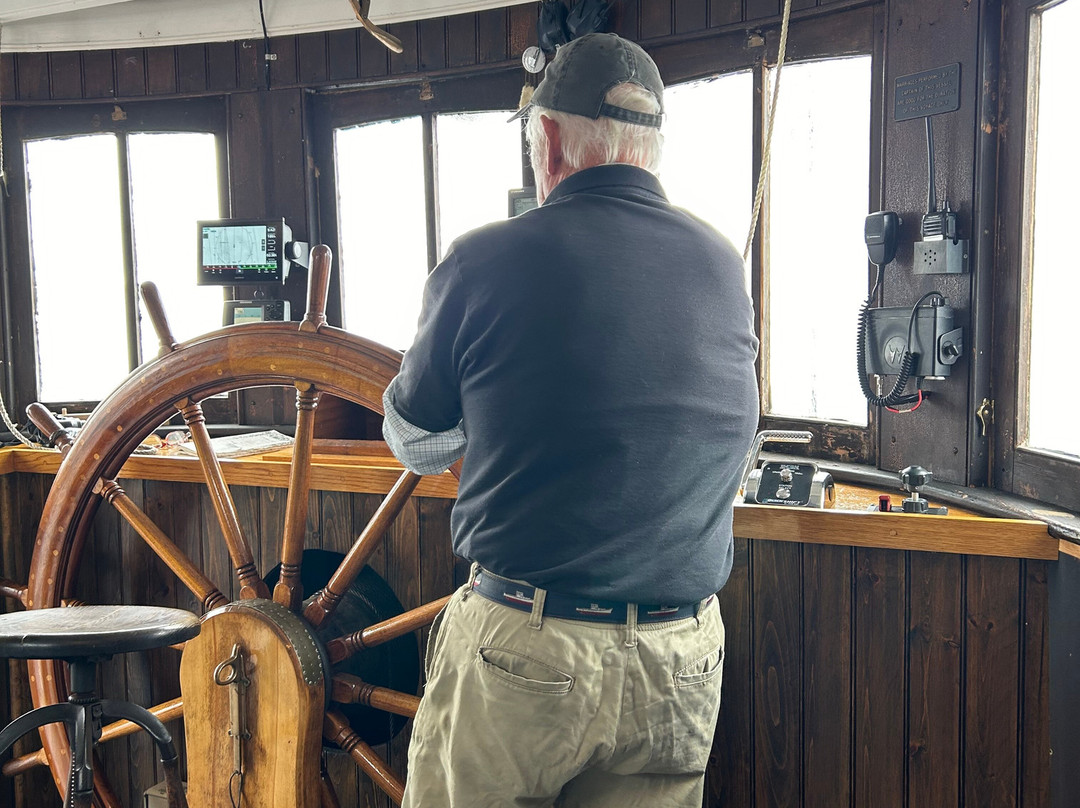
pixel 327 360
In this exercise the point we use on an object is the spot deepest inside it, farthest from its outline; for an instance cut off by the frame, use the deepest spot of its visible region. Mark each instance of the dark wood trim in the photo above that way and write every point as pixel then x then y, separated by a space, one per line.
pixel 1051 478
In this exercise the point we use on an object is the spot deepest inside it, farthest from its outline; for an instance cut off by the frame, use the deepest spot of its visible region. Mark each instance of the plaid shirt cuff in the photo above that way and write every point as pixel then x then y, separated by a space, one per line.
pixel 419 450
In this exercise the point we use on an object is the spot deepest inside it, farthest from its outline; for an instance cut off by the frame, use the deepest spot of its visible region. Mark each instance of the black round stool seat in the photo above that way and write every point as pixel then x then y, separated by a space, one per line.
pixel 83 636
pixel 81 632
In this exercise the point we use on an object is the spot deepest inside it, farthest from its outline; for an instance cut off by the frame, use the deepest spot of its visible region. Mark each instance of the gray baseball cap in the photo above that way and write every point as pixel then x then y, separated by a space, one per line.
pixel 582 72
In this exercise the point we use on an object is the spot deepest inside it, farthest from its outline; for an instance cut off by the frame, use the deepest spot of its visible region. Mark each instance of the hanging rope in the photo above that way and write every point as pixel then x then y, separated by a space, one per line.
pixel 770 117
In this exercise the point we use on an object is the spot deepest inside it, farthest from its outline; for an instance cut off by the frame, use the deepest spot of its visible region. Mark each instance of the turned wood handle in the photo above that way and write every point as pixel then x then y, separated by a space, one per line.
pixel 156 311
pixel 318 286
pixel 47 424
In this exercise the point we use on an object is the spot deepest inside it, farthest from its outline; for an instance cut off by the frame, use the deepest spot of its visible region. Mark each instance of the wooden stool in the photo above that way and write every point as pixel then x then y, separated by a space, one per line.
pixel 82 636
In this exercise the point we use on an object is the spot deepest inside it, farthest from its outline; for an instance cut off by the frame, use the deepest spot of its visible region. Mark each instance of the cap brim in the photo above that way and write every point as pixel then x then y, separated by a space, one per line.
pixel 521 113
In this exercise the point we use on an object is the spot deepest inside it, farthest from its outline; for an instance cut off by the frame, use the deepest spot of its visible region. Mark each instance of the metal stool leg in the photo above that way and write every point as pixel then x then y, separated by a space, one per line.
pixel 84 727
pixel 170 763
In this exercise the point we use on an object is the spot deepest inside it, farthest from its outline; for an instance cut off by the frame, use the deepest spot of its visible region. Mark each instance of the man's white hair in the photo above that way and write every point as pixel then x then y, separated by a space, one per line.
pixel 587 142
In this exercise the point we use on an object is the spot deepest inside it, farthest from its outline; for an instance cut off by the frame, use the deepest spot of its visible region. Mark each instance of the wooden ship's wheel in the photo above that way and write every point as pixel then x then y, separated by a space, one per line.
pixel 272 675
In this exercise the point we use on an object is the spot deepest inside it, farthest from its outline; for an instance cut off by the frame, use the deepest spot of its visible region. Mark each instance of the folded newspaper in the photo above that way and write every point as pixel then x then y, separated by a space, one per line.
pixel 243 445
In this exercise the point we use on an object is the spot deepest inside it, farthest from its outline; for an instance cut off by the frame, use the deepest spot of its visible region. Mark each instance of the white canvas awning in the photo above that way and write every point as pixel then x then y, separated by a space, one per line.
pixel 53 25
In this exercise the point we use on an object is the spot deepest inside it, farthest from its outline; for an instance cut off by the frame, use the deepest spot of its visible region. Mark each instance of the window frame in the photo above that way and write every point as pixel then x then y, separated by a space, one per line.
pixel 22 124
pixel 1038 474
pixel 335 109
pixel 856 32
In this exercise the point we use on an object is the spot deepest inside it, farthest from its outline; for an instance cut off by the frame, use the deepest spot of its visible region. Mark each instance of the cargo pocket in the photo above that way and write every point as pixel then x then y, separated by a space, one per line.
pixel 526 673
pixel 701 670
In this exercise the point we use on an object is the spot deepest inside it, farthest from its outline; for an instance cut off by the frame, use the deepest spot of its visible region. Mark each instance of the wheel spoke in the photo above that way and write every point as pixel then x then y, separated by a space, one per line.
pixel 166 711
pixel 175 559
pixel 322 606
pixel 10 589
pixel 336 729
pixel 341 648
pixel 251 584
pixel 349 689
pixel 288 591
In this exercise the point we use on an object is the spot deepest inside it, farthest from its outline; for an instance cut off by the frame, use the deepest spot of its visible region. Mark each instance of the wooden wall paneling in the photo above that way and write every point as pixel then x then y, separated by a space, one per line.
pixel 691 15
pixel 408 59
pixel 250 73
pixel 337 536
pixel 173 508
pixel 215 554
pixel 27 493
pixel 724 12
pixel 461 40
pixel 437 559
pixel 655 19
pixel 1064 660
pixel 374 56
pixel 136 582
pixel 730 776
pixel 880 683
pixel 33 77
pixel 1035 687
pixel 935 636
pixel 491 35
pixel 920 36
pixel 288 172
pixel 521 21
pixel 284 68
pixel 107 561
pixel 311 58
pixel 982 331
pixel 337 523
pixel 778 673
pixel 161 71
pixel 993 681
pixel 313 527
pixel 130 73
pixel 100 70
pixel 364 507
pixel 431 48
pixel 262 513
pixel 221 74
pixel 828 578
pixel 343 54
pixel 65 75
pixel 8 83
pixel 759 9
pixel 403 570
pixel 191 68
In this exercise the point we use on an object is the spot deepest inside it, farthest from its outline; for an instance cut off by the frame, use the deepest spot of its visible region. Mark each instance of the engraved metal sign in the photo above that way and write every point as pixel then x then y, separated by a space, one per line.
pixel 930 92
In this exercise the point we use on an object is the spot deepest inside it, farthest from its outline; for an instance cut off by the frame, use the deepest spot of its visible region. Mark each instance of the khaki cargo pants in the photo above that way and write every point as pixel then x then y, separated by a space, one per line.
pixel 522 710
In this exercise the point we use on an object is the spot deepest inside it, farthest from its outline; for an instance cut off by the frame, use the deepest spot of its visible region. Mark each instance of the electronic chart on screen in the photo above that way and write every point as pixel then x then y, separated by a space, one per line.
pixel 232 252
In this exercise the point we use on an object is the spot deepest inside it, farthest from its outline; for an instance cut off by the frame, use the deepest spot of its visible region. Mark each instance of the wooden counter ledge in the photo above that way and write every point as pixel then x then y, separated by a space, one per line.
pixel 367 467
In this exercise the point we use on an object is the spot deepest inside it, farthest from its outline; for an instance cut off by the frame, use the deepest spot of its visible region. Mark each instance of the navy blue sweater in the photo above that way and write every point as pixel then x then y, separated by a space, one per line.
pixel 599 353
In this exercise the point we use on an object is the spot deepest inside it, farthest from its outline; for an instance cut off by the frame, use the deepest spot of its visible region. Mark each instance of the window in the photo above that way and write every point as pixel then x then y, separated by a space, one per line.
pixel 819 184
pixel 382 224
pixel 815 262
pixel 712 117
pixel 480 158
pixel 87 337
pixel 382 208
pixel 1048 421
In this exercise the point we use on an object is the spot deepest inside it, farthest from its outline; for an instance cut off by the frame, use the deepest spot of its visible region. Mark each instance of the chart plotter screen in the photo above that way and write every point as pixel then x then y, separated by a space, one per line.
pixel 233 252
